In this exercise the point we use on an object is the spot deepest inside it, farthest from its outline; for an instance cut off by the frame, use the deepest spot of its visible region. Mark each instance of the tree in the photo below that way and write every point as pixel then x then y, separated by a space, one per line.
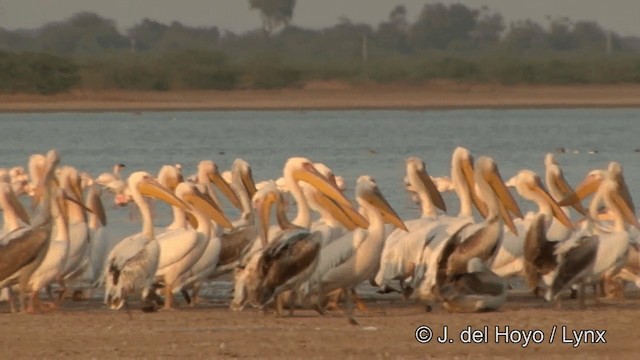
pixel 440 25
pixel 393 33
pixel 525 35
pixel 489 27
pixel 274 13
pixel 82 33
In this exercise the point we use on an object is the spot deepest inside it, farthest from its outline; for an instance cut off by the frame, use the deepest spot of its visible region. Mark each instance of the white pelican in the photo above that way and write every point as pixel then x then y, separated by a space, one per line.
pixel 402 250
pixel 101 243
pixel 52 266
pixel 355 257
pixel 296 169
pixel 509 259
pixel 207 175
pixel 21 217
pixel 235 242
pixel 329 227
pixel 78 256
pixel 112 181
pixel 181 247
pixel 132 264
pixel 586 258
pixel 186 253
pixel 559 189
pixel 451 250
pixel 24 247
pixel 424 275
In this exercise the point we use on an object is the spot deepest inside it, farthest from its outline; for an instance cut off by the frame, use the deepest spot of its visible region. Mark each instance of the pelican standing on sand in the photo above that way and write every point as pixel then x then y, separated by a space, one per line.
pixel 586 258
pixel 207 263
pixel 132 264
pixel 355 257
pixel 510 260
pixel 52 266
pixel 24 248
pixel 204 210
pixel 402 249
pixel 296 169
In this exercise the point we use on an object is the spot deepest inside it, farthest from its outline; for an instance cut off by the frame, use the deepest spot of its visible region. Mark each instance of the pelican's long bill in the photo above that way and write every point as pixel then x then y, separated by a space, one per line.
pixel 468 172
pixel 263 209
pixel 375 198
pixel 506 202
pixel 430 187
pixel 205 204
pixel 309 174
pixel 247 179
pixel 219 182
pixel 588 186
pixel 337 211
pixel 560 215
pixel 621 203
pixel 152 188
pixel 73 199
pixel 562 184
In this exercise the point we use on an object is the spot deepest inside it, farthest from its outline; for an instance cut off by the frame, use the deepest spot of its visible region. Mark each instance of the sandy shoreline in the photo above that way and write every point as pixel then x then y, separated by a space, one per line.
pixel 88 330
pixel 336 96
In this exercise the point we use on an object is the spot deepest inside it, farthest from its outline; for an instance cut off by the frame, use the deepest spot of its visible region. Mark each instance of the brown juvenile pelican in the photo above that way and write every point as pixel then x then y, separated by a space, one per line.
pixel 484 238
pixel 24 248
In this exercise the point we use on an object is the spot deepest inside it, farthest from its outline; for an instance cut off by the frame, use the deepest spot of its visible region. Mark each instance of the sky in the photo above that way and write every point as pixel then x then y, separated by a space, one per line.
pixel 621 16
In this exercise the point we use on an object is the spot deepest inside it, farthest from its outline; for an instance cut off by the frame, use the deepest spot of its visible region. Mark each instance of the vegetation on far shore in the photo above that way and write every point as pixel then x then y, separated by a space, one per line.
pixel 452 42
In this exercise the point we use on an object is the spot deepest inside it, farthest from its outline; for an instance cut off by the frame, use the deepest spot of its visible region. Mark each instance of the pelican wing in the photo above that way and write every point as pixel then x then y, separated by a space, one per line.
pixel 235 242
pixel 539 253
pixel 294 254
pixel 20 248
pixel 575 262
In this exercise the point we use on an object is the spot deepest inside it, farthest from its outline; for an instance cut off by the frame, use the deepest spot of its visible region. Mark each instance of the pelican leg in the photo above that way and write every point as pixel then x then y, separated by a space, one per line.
pixel 50 293
pixel 168 297
pixel 318 304
pixel 360 304
pixel 349 310
pixel 292 301
pixel 187 298
pixel 63 291
pixel 195 295
pixel 582 296
pixel 558 303
pixel 34 303
pixel 11 300
pixel 279 302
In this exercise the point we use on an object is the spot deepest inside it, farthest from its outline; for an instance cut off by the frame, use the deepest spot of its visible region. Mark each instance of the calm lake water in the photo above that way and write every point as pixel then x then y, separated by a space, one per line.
pixel 352 143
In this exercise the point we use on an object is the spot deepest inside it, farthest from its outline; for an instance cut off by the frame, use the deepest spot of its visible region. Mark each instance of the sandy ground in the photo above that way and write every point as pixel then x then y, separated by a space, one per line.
pixel 336 95
pixel 88 330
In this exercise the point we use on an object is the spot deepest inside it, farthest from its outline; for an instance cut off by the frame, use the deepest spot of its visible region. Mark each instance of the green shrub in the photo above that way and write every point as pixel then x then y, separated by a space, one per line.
pixel 37 73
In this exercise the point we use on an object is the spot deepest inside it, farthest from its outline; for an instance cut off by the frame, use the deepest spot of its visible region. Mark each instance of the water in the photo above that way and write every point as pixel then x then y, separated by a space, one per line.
pixel 352 143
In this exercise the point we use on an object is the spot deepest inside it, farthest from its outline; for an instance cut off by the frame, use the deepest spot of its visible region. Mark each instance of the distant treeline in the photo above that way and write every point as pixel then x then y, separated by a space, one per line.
pixel 445 42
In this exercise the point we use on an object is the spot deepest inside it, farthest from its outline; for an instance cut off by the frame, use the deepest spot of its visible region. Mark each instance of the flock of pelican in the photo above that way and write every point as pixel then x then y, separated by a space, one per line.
pixel 467 262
